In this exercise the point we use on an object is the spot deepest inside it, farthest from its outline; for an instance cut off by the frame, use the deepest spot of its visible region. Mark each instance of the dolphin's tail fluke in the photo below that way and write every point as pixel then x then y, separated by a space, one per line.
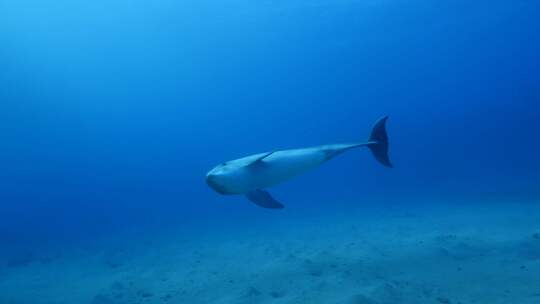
pixel 378 142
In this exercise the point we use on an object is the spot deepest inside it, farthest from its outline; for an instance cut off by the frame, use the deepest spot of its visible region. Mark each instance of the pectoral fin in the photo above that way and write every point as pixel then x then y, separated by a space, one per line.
pixel 264 199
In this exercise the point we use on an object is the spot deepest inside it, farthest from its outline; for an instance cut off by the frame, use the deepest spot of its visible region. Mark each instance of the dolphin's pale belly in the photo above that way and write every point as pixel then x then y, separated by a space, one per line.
pixel 278 167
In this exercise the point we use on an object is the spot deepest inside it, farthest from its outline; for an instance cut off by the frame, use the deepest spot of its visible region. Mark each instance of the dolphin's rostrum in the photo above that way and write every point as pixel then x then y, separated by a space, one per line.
pixel 251 174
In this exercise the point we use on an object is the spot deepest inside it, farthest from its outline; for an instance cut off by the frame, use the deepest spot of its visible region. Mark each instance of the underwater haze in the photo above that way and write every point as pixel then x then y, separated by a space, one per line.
pixel 113 112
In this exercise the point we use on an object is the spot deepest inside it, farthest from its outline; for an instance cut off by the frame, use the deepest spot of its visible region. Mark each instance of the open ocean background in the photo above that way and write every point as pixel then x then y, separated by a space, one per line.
pixel 112 112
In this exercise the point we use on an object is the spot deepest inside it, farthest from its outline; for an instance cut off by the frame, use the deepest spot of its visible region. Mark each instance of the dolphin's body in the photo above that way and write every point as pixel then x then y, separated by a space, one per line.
pixel 250 174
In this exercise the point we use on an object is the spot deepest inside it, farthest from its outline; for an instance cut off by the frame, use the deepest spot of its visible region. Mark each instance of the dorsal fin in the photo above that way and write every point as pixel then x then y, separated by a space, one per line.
pixel 261 158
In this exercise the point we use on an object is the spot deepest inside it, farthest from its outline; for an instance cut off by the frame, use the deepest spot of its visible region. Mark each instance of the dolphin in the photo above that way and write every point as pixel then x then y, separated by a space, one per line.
pixel 252 174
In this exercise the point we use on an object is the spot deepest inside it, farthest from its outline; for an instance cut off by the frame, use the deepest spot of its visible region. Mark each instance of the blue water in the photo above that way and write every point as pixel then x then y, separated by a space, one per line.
pixel 112 112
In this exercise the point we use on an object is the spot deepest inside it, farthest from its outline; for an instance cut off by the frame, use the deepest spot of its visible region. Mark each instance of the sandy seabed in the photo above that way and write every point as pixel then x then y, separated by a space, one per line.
pixel 483 253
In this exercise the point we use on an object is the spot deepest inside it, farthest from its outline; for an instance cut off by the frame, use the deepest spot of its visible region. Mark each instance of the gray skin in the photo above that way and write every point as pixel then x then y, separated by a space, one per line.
pixel 250 174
